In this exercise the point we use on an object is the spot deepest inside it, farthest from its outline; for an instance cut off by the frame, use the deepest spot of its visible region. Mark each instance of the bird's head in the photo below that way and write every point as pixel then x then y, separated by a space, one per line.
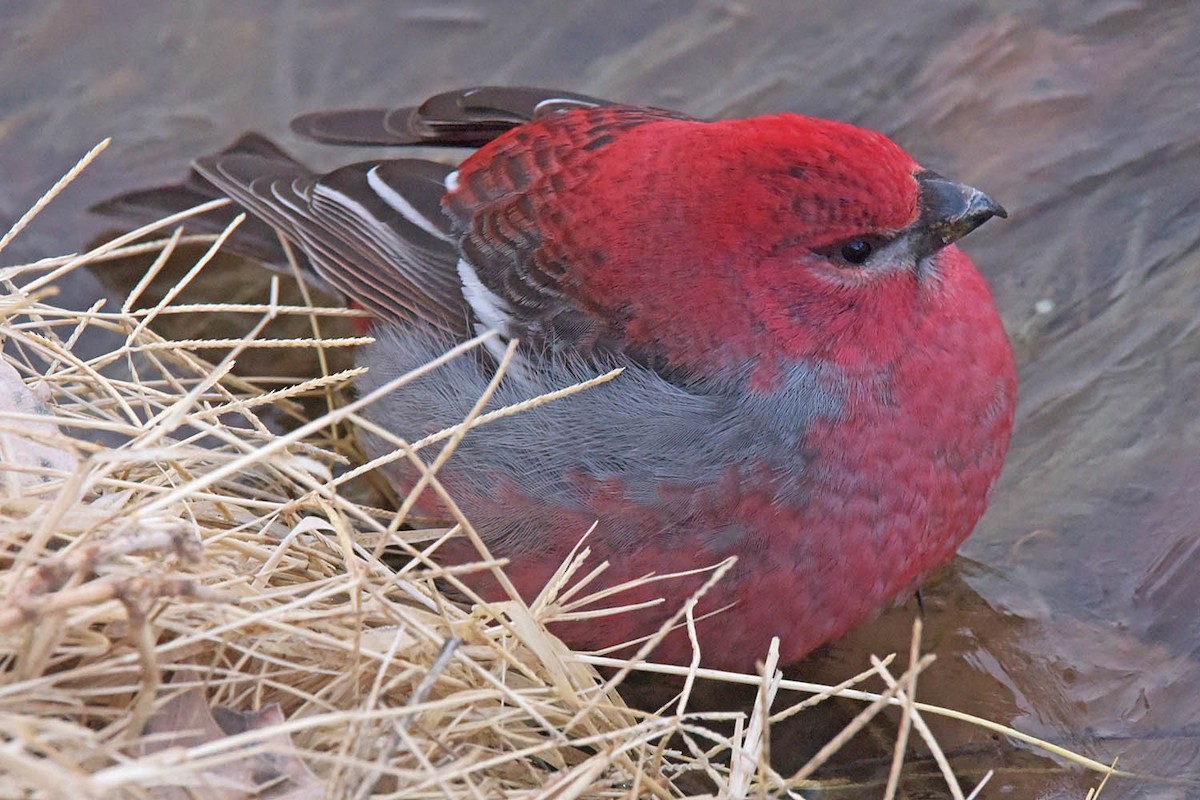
pixel 782 236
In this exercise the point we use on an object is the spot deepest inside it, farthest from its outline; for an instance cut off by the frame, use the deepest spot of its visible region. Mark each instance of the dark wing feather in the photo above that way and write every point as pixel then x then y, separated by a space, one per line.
pixel 462 118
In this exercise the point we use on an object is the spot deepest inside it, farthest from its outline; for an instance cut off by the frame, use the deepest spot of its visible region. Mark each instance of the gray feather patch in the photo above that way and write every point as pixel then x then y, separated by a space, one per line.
pixel 639 428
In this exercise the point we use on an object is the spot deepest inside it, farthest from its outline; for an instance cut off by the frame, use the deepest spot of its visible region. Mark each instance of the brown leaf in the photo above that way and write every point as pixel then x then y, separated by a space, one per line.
pixel 273 771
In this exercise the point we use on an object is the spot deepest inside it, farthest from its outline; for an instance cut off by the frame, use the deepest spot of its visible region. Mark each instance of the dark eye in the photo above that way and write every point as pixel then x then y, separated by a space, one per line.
pixel 856 251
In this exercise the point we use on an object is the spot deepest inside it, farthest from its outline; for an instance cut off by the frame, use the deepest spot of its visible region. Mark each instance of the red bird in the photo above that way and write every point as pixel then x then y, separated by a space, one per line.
pixel 816 380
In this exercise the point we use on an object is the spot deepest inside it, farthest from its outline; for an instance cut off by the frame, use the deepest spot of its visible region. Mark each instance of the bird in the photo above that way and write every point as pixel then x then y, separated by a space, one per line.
pixel 816 391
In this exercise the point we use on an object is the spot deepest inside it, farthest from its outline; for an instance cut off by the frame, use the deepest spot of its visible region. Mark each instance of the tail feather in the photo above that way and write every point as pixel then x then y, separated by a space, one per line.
pixel 254 237
pixel 373 232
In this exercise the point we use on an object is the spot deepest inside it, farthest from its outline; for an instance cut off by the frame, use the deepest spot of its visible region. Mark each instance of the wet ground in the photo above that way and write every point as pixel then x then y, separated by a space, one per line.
pixel 1073 613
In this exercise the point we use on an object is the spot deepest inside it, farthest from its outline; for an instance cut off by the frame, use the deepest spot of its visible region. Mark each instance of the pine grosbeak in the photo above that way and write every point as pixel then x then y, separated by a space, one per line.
pixel 816 380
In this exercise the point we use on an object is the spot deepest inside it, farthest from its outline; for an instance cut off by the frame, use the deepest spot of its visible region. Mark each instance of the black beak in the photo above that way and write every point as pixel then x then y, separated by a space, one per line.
pixel 949 211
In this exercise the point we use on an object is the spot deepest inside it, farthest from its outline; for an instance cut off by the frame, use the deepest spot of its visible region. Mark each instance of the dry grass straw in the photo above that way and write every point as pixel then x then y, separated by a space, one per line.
pixel 166 552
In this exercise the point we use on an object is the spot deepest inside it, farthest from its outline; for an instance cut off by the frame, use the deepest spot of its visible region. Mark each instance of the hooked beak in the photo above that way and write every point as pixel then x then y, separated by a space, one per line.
pixel 949 211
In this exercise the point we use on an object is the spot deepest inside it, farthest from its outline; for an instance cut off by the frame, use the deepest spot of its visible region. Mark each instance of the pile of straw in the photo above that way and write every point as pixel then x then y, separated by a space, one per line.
pixel 195 600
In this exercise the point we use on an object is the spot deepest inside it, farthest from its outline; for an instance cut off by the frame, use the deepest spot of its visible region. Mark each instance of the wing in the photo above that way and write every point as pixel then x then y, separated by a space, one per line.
pixel 373 230
pixel 418 241
pixel 517 265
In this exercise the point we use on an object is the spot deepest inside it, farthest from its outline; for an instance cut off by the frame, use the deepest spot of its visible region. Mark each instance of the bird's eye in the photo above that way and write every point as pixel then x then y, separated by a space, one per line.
pixel 856 251
pixel 853 252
